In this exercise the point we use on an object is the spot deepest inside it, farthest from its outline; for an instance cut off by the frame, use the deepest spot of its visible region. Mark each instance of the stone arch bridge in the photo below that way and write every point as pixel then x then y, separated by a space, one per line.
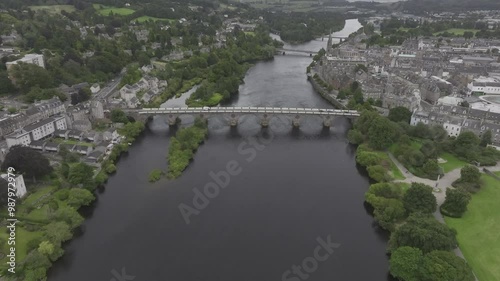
pixel 265 113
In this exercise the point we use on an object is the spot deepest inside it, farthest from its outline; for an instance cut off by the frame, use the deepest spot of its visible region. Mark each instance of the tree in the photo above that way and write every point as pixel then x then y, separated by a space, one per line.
pixel 6 86
pixel 68 215
pixel 405 263
pixel 445 266
pixel 46 248
pixel 386 200
pixel 80 197
pixel 84 94
pixel 118 116
pixel 378 173
pixel 58 232
pixel 470 174
pixel 355 137
pixel 425 233
pixel 466 145
pixel 27 161
pixel 83 174
pixel 400 113
pixel 431 168
pixel 382 133
pixel 486 138
pixel 468 35
pixel 31 75
pixel 421 131
pixel 419 198
pixel 455 204
pixel 35 266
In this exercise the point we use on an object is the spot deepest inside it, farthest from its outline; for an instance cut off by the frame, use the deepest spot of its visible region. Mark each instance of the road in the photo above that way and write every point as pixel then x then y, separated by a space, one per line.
pixel 110 87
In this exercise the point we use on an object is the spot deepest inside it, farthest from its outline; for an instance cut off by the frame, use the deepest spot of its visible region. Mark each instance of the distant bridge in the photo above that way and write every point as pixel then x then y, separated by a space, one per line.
pixel 234 113
pixel 284 51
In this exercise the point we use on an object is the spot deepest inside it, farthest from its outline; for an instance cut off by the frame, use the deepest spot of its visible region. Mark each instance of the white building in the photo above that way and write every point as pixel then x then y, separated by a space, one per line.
pixel 95 88
pixel 29 58
pixel 36 131
pixel 97 109
pixel 20 186
pixel 453 126
pixel 419 117
pixel 489 86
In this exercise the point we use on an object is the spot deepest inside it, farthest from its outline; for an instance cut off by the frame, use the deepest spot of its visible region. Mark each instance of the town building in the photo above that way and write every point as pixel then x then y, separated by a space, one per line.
pixel 19 184
pixel 29 58
pixel 36 131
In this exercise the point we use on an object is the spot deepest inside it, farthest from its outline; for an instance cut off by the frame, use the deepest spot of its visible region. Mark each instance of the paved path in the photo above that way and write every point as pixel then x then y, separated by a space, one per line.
pixel 443 184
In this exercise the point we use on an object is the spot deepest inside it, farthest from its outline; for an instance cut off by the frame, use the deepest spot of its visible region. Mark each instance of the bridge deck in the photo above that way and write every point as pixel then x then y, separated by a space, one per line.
pixel 269 110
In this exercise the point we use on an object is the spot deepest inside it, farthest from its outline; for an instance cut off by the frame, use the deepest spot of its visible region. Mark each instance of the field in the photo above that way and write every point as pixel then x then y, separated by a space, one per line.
pixel 458 31
pixel 396 173
pixel 54 8
pixel 479 231
pixel 452 162
pixel 148 18
pixel 106 10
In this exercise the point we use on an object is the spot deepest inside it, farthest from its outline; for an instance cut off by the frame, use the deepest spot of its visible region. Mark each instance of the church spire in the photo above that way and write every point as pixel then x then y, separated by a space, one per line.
pixel 329 44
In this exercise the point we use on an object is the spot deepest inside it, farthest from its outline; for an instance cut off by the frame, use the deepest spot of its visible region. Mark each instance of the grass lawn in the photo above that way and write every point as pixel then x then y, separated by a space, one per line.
pixel 479 231
pixel 458 31
pixel 22 238
pixel 148 18
pixel 31 199
pixel 106 10
pixel 452 162
pixel 54 8
pixel 250 33
pixel 396 173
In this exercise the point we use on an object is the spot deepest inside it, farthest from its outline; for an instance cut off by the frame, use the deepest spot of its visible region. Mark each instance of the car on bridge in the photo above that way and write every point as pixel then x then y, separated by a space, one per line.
pixel 206 108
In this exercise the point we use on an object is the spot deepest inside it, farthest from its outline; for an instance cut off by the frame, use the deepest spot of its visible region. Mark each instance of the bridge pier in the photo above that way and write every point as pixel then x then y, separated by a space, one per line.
pixel 233 121
pixel 327 122
pixel 296 121
pixel 172 120
pixel 264 122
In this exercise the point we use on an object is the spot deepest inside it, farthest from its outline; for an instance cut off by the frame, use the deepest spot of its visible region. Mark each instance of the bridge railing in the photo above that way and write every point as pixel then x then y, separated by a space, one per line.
pixel 271 110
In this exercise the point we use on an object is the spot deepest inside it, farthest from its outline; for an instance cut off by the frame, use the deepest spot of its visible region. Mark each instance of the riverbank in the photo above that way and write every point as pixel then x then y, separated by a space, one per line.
pixel 49 215
pixel 329 96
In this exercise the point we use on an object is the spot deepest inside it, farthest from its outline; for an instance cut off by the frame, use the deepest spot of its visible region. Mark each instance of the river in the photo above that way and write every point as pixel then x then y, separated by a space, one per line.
pixel 291 189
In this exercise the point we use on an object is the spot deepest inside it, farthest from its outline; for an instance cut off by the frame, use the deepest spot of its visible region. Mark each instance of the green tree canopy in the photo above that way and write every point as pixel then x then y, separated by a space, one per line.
pixel 80 197
pixel 445 266
pixel 118 116
pixel 455 204
pixel 81 173
pixel 27 76
pixel 466 145
pixel 425 233
pixel 382 133
pixel 419 198
pixel 470 174
pixel 27 161
pixel 486 138
pixel 58 232
pixel 68 215
pixel 405 263
pixel 400 113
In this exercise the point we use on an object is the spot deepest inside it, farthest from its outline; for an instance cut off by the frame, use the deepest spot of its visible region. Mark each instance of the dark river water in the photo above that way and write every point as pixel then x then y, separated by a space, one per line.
pixel 284 193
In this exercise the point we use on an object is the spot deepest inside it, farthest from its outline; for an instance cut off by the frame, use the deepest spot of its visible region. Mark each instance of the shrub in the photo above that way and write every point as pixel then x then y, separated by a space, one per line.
pixel 155 175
